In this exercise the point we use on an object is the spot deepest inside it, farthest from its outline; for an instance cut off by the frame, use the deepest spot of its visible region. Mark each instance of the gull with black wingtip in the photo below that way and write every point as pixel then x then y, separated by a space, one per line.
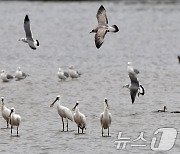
pixel 29 37
pixel 102 27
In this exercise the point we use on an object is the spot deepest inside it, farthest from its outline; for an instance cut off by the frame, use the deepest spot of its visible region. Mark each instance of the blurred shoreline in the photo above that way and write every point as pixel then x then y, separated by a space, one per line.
pixel 125 1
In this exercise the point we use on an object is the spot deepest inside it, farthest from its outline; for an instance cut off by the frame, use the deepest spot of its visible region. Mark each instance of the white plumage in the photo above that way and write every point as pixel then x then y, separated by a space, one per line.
pixel 15 120
pixel 62 75
pixel 6 77
pixel 63 112
pixel 73 73
pixel 79 118
pixel 105 117
pixel 19 74
pixel 5 111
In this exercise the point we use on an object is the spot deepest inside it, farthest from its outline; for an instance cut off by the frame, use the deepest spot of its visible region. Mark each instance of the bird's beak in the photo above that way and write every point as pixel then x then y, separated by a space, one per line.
pixel 73 109
pixel 53 102
pixel 10 114
pixel 107 105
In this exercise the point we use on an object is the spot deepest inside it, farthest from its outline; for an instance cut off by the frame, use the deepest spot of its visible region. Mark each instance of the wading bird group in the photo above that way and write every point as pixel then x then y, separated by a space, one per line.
pixel 74 114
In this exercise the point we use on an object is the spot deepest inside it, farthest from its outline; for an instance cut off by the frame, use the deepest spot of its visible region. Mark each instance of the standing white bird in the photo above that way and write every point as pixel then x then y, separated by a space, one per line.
pixel 6 77
pixel 29 37
pixel 79 118
pixel 105 117
pixel 62 75
pixel 73 73
pixel 5 111
pixel 102 27
pixel 19 74
pixel 63 111
pixel 15 120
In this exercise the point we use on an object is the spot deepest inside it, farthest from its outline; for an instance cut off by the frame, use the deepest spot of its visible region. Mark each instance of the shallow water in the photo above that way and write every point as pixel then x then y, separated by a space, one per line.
pixel 149 37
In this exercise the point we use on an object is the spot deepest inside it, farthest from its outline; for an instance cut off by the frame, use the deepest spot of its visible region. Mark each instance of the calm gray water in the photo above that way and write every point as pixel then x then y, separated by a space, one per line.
pixel 149 37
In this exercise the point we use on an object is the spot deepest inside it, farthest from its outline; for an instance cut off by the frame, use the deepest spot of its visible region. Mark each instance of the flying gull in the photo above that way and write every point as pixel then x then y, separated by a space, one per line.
pixel 29 37
pixel 134 87
pixel 130 69
pixel 102 27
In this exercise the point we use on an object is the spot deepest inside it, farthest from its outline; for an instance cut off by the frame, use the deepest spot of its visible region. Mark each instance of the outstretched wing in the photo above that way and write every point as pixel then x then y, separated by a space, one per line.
pixel 99 37
pixel 101 16
pixel 134 80
pixel 27 28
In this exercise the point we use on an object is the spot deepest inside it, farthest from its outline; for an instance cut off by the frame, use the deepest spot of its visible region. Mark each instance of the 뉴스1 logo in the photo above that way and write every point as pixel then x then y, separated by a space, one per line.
pixel 163 140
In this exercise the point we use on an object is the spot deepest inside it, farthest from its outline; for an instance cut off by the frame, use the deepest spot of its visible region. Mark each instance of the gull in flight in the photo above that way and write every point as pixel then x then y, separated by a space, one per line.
pixel 62 75
pixel 63 112
pixel 15 120
pixel 29 37
pixel 5 111
pixel 79 118
pixel 102 27
pixel 6 77
pixel 19 74
pixel 134 87
pixel 105 117
pixel 130 69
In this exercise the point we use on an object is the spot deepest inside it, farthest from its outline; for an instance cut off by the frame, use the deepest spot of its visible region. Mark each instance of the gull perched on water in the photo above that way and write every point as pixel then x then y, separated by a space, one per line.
pixel 6 77
pixel 102 27
pixel 134 87
pixel 73 73
pixel 5 111
pixel 63 112
pixel 19 74
pixel 15 120
pixel 105 117
pixel 62 75
pixel 29 37
pixel 79 118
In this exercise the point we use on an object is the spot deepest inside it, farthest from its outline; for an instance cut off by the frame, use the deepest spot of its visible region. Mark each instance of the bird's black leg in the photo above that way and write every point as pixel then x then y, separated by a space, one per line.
pixel 63 124
pixel 17 131
pixel 108 131
pixel 82 130
pixel 67 125
pixel 102 131
pixel 11 130
pixel 78 129
pixel 7 124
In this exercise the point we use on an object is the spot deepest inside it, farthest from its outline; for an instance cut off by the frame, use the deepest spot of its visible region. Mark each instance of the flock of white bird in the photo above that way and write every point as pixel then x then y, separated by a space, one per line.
pixel 65 113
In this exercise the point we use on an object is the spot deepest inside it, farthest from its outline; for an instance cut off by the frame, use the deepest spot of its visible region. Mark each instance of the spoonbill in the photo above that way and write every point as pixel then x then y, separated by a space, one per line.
pixel 5 111
pixel 79 118
pixel 15 120
pixel 105 117
pixel 63 111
